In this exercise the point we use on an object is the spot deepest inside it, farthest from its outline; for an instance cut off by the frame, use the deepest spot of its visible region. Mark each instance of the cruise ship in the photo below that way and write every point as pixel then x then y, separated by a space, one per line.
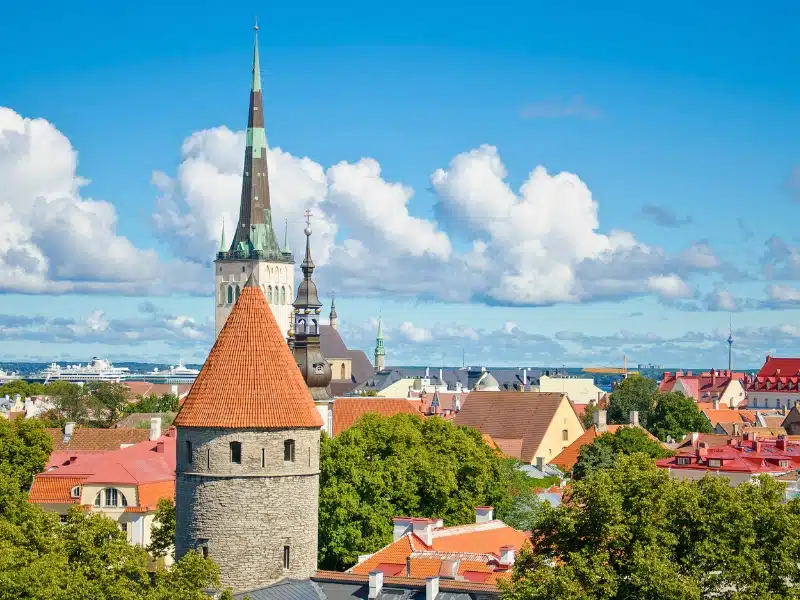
pixel 98 369
pixel 5 376
pixel 179 374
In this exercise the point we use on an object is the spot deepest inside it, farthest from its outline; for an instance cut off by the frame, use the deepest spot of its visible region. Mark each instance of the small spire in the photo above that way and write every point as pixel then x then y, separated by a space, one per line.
pixel 308 265
pixel 380 326
pixel 222 247
pixel 256 86
pixel 286 237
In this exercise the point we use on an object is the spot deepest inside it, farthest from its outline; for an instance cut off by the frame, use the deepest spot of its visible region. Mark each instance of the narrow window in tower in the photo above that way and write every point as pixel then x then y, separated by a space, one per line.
pixel 263 458
pixel 188 445
pixel 286 551
pixel 283 295
pixel 230 294
pixel 236 452
pixel 269 295
pixel 205 551
pixel 288 451
pixel 208 459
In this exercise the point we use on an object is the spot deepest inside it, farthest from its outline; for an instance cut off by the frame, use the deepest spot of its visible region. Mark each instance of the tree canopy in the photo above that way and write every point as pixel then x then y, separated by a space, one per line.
pixel 633 393
pixel 25 447
pixel 87 558
pixel 153 404
pixel 631 532
pixel 674 415
pixel 162 534
pixel 607 448
pixel 403 465
pixel 21 387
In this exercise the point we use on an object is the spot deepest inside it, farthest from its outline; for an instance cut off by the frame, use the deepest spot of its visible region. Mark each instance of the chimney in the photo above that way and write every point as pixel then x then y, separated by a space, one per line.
pixel 401 526
pixel 375 584
pixel 713 377
pixel 68 429
pixel 781 443
pixel 506 555
pixel 155 428
pixel 484 514
pixel 408 566
pixel 688 373
pixel 441 375
pixel 634 418
pixel 160 447
pixel 438 523
pixel 423 528
pixel 715 402
pixel 667 376
pixel 540 463
pixel 525 376
pixel 702 450
pixel 599 417
pixel 431 588
pixel 695 437
pixel 599 396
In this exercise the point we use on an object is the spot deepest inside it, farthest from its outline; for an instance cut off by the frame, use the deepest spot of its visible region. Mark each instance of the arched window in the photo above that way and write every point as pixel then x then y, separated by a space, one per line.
pixel 238 291
pixel 230 294
pixel 283 295
pixel 236 452
pixel 288 451
pixel 110 498
pixel 269 295
pixel 343 371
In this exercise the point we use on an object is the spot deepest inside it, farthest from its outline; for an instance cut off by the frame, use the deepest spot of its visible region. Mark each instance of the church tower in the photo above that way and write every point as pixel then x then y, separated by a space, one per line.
pixel 248 442
pixel 305 338
pixel 380 352
pixel 254 248
pixel 333 317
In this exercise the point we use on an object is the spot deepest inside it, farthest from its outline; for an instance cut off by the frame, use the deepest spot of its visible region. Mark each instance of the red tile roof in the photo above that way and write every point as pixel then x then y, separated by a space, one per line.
pixel 728 416
pixel 145 388
pixel 784 367
pixel 700 385
pixel 740 456
pixel 250 379
pixel 346 411
pixel 54 490
pixel 517 421
pixel 90 439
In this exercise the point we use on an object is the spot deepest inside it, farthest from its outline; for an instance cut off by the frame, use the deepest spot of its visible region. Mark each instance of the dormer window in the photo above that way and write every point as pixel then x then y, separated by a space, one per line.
pixel 714 462
pixel 783 463
pixel 75 492
pixel 683 460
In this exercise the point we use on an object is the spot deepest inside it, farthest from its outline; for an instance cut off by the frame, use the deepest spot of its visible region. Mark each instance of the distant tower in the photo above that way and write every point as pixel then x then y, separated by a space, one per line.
pixel 254 248
pixel 305 340
pixel 730 346
pixel 380 352
pixel 248 442
pixel 334 318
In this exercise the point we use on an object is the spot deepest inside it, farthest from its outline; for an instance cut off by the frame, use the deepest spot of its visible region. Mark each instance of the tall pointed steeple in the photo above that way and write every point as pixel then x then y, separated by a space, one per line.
pixel 333 317
pixel 254 236
pixel 380 351
pixel 222 246
pixel 306 341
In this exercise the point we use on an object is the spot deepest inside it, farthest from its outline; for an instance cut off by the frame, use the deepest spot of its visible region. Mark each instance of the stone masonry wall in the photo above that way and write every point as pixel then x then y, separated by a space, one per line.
pixel 245 513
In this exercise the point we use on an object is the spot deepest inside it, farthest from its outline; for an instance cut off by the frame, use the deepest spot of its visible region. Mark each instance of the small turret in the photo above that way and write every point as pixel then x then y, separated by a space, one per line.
pixel 380 351
pixel 334 318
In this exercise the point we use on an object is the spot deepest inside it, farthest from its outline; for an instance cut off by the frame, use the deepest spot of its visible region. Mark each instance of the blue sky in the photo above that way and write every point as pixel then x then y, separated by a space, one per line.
pixel 682 122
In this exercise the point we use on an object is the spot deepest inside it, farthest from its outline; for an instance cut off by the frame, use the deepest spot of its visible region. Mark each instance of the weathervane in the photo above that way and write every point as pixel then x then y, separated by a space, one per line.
pixel 308 215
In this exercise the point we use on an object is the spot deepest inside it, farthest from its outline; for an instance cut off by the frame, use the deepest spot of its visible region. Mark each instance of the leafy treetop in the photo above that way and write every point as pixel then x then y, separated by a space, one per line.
pixel 25 447
pixel 607 448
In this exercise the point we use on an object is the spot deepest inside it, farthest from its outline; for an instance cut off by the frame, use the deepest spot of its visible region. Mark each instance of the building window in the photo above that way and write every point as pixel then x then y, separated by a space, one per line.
pixel 263 458
pixel 343 372
pixel 286 551
pixel 565 435
pixel 230 294
pixel 62 518
pixel 269 295
pixel 714 462
pixel 124 527
pixel 205 551
pixel 111 498
pixel 208 459
pixel 188 445
pixel 283 295
pixel 783 463
pixel 288 451
pixel 242 269
pixel 683 460
pixel 75 492
pixel 236 452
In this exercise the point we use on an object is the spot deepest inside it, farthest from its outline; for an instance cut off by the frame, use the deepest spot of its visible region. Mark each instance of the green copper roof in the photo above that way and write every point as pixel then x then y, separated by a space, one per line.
pixel 379 350
pixel 256 86
pixel 222 246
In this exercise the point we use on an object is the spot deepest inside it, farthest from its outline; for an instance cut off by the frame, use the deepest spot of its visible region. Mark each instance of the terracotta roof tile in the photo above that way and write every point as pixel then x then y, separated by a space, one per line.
pixel 567 458
pixel 511 416
pixel 89 439
pixel 346 411
pixel 151 493
pixel 250 379
pixel 54 490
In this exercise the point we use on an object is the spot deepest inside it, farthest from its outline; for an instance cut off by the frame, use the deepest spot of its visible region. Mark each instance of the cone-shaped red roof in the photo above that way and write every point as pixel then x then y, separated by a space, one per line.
pixel 250 379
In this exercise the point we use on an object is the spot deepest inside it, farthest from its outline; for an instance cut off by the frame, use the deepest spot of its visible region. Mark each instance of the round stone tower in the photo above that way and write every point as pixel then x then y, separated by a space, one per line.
pixel 247 472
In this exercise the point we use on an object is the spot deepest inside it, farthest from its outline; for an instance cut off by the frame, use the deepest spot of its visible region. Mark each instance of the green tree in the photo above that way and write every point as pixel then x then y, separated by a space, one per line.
pixel 153 404
pixel 110 398
pixel 25 447
pixel 70 400
pixel 588 415
pixel 162 535
pixel 87 558
pixel 21 387
pixel 674 415
pixel 607 448
pixel 403 465
pixel 633 393
pixel 632 532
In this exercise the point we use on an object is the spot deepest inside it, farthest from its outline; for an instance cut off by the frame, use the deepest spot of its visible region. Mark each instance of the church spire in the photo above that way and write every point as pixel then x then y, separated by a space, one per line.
pixel 222 247
pixel 380 351
pixel 254 236
pixel 333 317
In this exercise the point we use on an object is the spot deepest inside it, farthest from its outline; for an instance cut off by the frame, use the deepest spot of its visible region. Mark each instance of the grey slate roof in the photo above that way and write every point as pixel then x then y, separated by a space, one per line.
pixel 333 346
pixel 294 589
pixel 508 378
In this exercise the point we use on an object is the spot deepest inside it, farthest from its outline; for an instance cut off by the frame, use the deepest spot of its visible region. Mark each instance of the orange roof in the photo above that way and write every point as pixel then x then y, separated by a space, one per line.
pixel 151 493
pixel 567 458
pixel 250 378
pixel 483 538
pixel 489 441
pixel 54 490
pixel 91 439
pixel 346 411
pixel 728 416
